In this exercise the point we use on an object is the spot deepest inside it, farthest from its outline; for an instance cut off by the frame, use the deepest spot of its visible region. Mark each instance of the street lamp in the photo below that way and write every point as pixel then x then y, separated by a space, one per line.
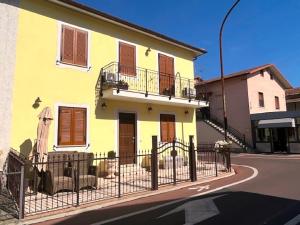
pixel 222 69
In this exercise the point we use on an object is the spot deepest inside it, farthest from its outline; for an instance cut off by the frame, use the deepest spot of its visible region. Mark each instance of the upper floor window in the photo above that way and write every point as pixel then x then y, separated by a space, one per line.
pixel 74 46
pixel 271 76
pixel 261 100
pixel 127 59
pixel 277 105
pixel 71 126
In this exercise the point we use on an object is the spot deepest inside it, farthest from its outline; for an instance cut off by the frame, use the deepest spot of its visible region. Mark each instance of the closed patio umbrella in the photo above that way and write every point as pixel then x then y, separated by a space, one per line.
pixel 45 118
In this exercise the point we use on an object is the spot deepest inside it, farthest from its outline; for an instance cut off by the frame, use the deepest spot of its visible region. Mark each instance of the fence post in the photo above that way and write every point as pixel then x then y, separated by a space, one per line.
pixel 190 99
pixel 119 70
pixel 101 82
pixel 146 94
pixel 192 159
pixel 174 154
pixel 77 181
pixel 119 177
pixel 216 165
pixel 228 160
pixel 154 169
pixel 22 195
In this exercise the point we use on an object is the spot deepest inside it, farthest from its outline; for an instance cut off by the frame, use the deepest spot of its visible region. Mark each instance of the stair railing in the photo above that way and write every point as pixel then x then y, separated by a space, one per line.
pixel 237 134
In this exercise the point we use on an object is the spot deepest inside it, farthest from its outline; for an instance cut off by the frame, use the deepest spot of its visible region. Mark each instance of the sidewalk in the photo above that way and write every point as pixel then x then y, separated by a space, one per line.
pixel 113 208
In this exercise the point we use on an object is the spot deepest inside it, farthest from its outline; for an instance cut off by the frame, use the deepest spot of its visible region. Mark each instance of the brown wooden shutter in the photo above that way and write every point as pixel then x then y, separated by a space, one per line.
pixel 166 75
pixel 167 127
pixel 163 129
pixel 127 59
pixel 81 48
pixel 65 126
pixel 171 127
pixel 67 44
pixel 79 126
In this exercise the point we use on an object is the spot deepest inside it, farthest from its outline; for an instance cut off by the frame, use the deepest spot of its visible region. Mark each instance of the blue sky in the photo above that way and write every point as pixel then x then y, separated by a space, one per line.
pixel 257 32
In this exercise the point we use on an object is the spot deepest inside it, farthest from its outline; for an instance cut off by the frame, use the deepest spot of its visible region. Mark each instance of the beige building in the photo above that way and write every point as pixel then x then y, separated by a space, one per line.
pixel 255 91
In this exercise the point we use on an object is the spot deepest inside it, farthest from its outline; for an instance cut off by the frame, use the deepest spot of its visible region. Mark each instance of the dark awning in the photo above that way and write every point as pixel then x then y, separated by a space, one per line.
pixel 276 123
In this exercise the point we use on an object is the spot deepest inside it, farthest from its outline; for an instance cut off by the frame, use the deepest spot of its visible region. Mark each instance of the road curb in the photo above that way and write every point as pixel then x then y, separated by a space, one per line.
pixel 123 200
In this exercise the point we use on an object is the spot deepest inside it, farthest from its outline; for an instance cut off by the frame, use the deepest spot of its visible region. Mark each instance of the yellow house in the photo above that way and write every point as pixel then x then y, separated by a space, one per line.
pixel 110 84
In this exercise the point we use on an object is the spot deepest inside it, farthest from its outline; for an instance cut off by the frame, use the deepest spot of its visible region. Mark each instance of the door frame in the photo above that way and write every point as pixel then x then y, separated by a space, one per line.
pixel 136 146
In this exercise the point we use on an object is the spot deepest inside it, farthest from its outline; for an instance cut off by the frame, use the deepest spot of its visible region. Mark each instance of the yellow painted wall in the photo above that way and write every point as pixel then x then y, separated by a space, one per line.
pixel 37 75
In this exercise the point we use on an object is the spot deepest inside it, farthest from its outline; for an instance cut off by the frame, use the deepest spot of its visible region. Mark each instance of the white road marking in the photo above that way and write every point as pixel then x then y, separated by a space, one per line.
pixel 252 156
pixel 288 158
pixel 197 211
pixel 255 173
pixel 294 221
pixel 200 188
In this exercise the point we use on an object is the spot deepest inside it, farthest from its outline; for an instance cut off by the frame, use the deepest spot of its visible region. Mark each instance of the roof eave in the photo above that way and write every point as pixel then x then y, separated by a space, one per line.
pixel 115 20
pixel 282 79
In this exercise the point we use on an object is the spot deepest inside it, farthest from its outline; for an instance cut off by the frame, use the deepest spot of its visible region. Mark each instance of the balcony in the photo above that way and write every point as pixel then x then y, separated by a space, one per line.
pixel 148 86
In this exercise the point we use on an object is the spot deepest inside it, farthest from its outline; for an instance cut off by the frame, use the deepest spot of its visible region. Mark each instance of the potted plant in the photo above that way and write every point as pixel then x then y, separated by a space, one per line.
pixel 146 163
pixel 108 85
pixel 223 144
pixel 122 85
pixel 111 164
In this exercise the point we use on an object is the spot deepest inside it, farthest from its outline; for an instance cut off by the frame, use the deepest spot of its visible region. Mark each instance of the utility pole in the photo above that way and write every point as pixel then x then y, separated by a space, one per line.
pixel 222 69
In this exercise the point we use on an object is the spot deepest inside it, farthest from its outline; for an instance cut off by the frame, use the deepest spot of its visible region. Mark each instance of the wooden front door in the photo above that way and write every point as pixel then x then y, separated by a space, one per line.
pixel 127 138
pixel 166 75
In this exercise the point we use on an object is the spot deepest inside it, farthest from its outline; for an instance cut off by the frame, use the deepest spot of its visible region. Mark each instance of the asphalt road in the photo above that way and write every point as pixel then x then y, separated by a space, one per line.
pixel 272 197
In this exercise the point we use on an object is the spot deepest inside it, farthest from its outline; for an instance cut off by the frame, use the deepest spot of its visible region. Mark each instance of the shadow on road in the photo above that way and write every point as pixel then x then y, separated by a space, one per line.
pixel 234 208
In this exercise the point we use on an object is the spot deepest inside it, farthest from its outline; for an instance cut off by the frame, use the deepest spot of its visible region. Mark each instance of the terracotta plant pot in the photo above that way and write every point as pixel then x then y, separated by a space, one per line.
pixel 111 168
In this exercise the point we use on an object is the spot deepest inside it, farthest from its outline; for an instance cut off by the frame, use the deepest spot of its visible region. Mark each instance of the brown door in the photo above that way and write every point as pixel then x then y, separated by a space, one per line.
pixel 127 137
pixel 166 75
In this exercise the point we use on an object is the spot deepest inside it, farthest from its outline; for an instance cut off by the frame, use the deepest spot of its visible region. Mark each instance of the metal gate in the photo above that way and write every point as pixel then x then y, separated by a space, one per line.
pixel 173 162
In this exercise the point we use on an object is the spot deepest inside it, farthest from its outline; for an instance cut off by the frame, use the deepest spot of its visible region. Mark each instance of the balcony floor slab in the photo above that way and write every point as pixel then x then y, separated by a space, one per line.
pixel 132 96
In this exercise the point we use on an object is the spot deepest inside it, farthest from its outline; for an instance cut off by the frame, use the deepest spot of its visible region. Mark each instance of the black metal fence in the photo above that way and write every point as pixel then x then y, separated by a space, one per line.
pixel 66 179
pixel 146 81
pixel 12 187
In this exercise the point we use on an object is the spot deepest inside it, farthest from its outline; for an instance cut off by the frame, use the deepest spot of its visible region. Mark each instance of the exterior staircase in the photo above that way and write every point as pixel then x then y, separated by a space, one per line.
pixel 231 137
pixel 214 131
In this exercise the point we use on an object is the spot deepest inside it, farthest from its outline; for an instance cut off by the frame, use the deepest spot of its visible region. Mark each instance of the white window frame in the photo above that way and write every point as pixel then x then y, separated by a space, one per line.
pixel 81 148
pixel 58 61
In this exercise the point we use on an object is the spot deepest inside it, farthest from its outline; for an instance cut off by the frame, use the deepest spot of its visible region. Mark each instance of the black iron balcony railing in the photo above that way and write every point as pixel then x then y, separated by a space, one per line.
pixel 145 81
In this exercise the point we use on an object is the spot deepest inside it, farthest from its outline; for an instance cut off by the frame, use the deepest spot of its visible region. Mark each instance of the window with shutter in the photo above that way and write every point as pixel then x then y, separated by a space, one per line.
pixel 261 100
pixel 74 46
pixel 167 127
pixel 277 105
pixel 79 126
pixel 127 59
pixel 72 126
pixel 67 45
pixel 65 126
pixel 81 48
pixel 166 75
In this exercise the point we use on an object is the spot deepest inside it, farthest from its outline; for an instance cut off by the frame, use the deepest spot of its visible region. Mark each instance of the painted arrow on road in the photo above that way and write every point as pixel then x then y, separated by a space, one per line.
pixel 200 188
pixel 197 211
